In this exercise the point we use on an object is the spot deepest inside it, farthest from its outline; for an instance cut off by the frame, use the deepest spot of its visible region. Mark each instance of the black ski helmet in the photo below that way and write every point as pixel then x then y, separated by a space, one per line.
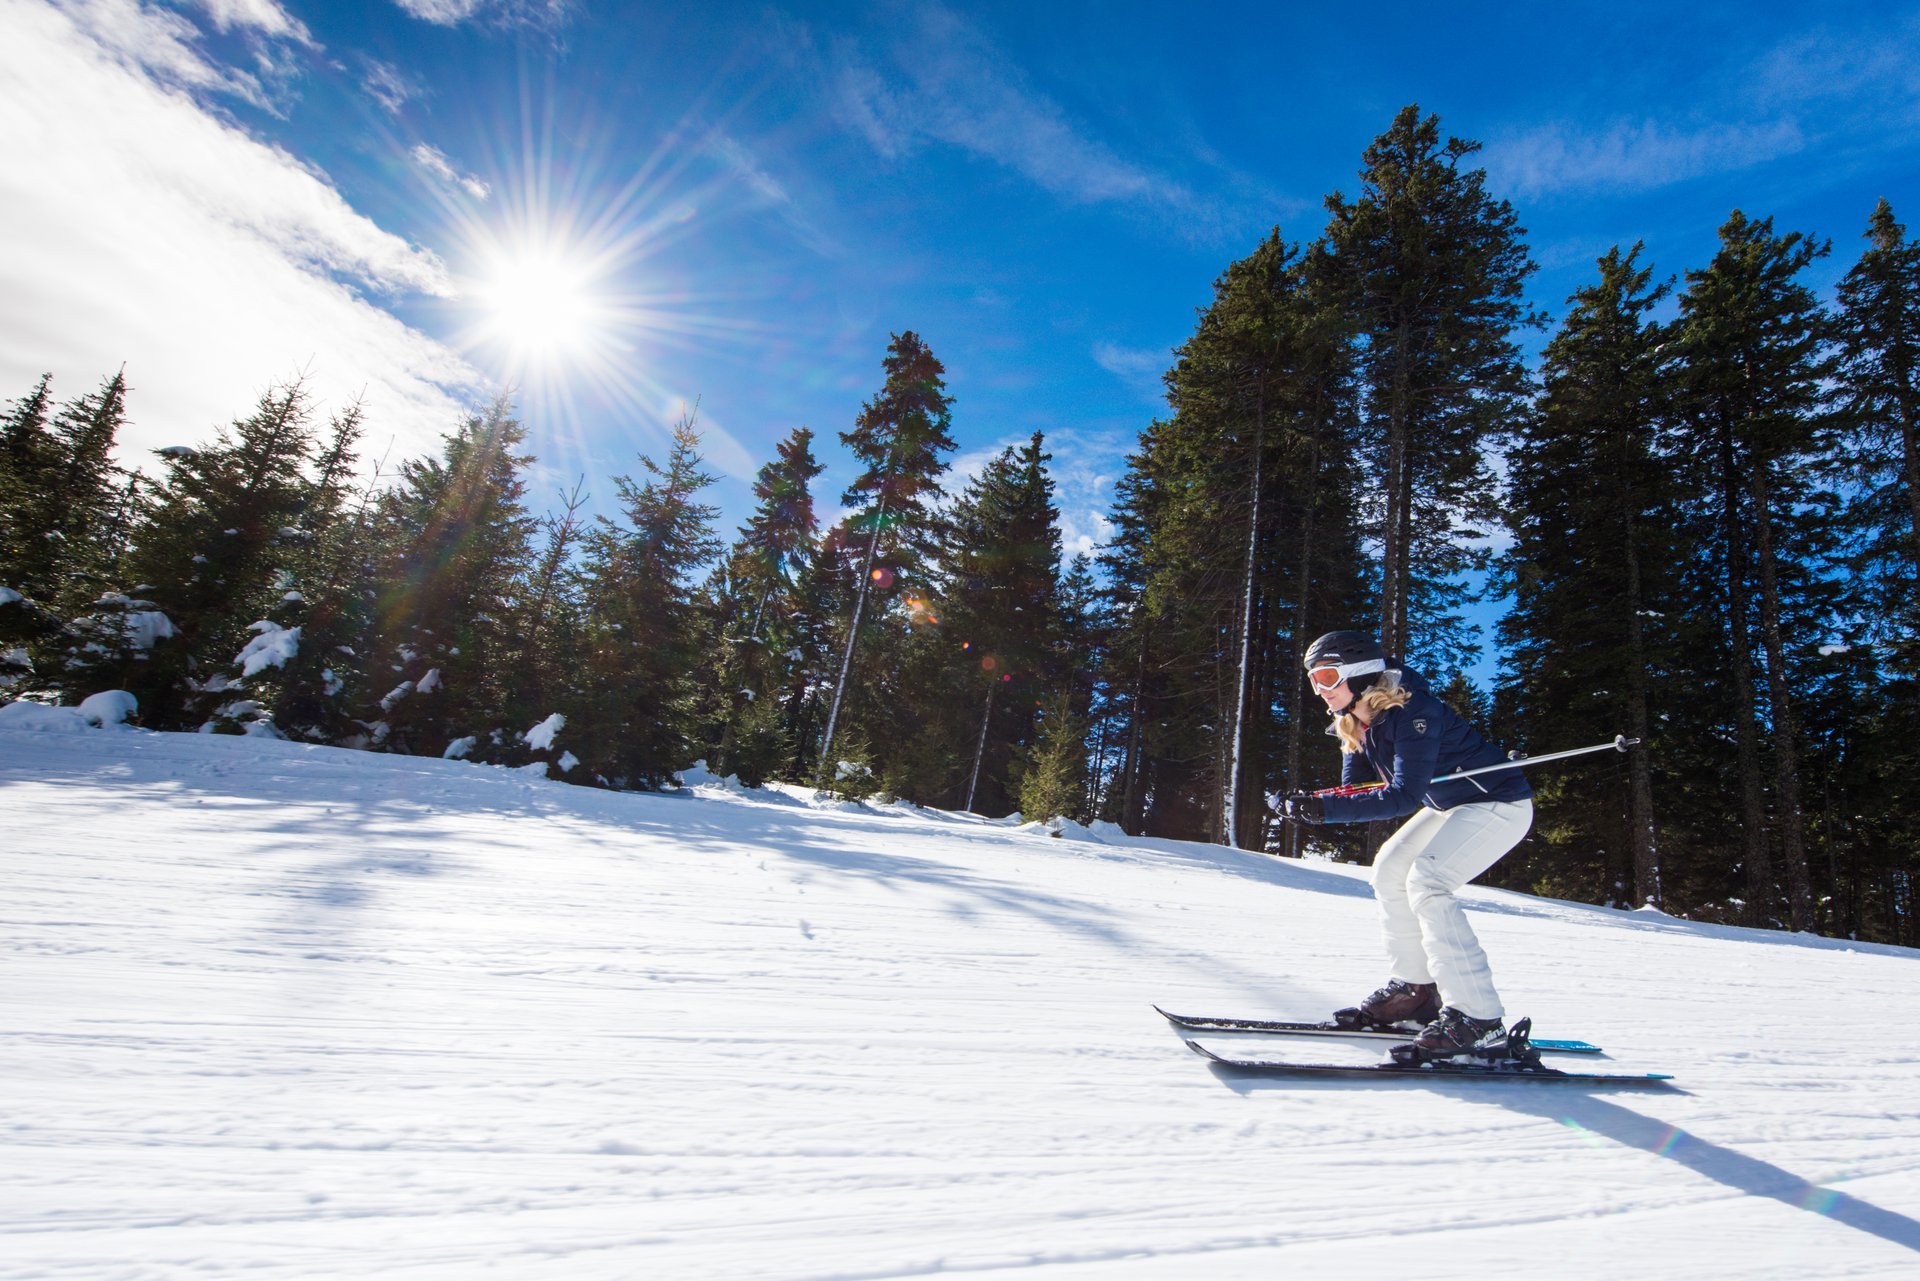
pixel 1341 649
pixel 1336 649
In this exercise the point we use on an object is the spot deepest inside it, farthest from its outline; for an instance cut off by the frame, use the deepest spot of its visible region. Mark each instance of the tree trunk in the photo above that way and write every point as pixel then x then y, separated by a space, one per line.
pixel 980 747
pixel 1236 761
pixel 1760 891
pixel 1643 836
pixel 1395 554
pixel 1786 754
pixel 853 634
pixel 1295 702
pixel 1910 460
pixel 1133 804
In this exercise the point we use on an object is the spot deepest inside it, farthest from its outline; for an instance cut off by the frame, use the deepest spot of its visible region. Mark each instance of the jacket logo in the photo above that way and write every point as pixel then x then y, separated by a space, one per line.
pixel 1420 727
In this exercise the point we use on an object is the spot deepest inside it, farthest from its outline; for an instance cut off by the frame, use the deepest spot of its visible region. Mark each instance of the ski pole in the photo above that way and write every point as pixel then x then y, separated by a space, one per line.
pixel 1620 744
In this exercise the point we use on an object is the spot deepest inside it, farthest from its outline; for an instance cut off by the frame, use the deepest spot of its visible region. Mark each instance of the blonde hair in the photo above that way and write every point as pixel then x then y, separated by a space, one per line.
pixel 1385 693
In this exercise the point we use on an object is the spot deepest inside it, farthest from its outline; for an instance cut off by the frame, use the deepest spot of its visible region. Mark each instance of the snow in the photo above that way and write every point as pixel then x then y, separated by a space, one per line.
pixel 282 1011
pixel 540 737
pixel 109 709
pixel 272 646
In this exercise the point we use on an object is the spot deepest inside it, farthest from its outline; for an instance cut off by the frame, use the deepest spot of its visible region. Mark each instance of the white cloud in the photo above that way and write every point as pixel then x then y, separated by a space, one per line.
pixel 263 16
pixel 155 40
pixel 1084 468
pixel 143 229
pixel 435 162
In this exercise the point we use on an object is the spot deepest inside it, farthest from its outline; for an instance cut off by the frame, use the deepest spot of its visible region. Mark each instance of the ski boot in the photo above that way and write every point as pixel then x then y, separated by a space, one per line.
pixel 1456 1037
pixel 1395 1007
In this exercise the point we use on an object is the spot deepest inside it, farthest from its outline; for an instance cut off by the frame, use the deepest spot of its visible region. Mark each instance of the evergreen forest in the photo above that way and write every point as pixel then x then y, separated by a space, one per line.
pixel 1700 500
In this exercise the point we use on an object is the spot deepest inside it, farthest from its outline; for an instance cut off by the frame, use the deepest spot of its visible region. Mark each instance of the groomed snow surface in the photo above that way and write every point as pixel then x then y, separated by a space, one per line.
pixel 272 1011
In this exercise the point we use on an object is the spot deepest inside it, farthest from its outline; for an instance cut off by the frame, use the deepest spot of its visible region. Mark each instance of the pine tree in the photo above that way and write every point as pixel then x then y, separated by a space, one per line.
pixel 1879 333
pixel 213 553
pixel 1002 599
pixel 1593 565
pixel 27 454
pixel 549 644
pixel 1432 269
pixel 901 438
pixel 456 539
pixel 304 665
pixel 1236 535
pixel 61 496
pixel 644 629
pixel 761 638
pixel 1053 783
pixel 1751 339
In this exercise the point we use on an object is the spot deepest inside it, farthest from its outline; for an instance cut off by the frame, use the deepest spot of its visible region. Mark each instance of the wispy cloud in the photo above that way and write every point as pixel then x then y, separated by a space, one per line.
pixel 154 232
pixel 1636 156
pixel 747 169
pixel 449 13
pixel 389 86
pixel 942 81
pixel 1817 90
pixel 1138 368
pixel 435 162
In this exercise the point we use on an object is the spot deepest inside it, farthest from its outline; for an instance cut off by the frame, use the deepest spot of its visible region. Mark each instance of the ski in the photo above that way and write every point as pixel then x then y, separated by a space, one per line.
pixel 1204 1023
pixel 1516 1060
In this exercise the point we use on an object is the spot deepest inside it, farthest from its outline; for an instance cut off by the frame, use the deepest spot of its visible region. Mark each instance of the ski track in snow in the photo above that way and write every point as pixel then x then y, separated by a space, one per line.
pixel 276 1011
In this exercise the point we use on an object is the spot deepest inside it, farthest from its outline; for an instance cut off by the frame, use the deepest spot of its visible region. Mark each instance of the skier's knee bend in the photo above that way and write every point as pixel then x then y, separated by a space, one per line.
pixel 1421 891
pixel 1389 882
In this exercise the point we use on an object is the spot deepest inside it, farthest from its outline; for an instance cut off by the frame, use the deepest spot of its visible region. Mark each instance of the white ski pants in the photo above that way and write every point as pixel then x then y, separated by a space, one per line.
pixel 1414 876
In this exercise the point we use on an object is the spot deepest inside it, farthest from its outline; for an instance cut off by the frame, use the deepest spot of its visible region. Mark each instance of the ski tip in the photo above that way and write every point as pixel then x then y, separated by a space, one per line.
pixel 1203 1051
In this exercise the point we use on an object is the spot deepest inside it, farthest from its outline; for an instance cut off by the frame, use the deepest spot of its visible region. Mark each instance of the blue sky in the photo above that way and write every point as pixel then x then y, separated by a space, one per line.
pixel 619 209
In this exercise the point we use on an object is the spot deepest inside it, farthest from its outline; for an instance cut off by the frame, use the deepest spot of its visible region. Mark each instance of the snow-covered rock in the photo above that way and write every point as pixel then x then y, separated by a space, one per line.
pixel 109 709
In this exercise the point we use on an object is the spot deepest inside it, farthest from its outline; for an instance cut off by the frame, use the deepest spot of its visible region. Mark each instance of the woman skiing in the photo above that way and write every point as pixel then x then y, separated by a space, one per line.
pixel 1387 718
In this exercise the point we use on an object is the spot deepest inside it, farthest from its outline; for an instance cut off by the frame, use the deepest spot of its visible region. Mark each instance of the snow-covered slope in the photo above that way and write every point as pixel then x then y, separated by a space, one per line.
pixel 273 1011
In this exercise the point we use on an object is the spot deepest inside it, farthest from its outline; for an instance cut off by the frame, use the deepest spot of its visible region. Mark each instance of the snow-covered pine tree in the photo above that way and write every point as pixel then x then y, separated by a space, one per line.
pixel 548 637
pixel 455 540
pixel 212 554
pixel 304 665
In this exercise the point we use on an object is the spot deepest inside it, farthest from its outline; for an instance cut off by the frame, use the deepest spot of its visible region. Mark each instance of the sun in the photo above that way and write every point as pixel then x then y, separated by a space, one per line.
pixel 539 302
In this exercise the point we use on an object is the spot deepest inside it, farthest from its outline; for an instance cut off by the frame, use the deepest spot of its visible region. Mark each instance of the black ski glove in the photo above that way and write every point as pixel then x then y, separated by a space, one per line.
pixel 1301 807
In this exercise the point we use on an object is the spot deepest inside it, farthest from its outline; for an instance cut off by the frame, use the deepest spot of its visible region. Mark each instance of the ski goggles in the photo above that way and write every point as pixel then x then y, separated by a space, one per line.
pixel 1326 678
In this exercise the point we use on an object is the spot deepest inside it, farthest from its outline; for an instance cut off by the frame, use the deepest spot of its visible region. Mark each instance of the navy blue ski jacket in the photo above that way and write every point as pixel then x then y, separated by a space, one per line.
pixel 1408 747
